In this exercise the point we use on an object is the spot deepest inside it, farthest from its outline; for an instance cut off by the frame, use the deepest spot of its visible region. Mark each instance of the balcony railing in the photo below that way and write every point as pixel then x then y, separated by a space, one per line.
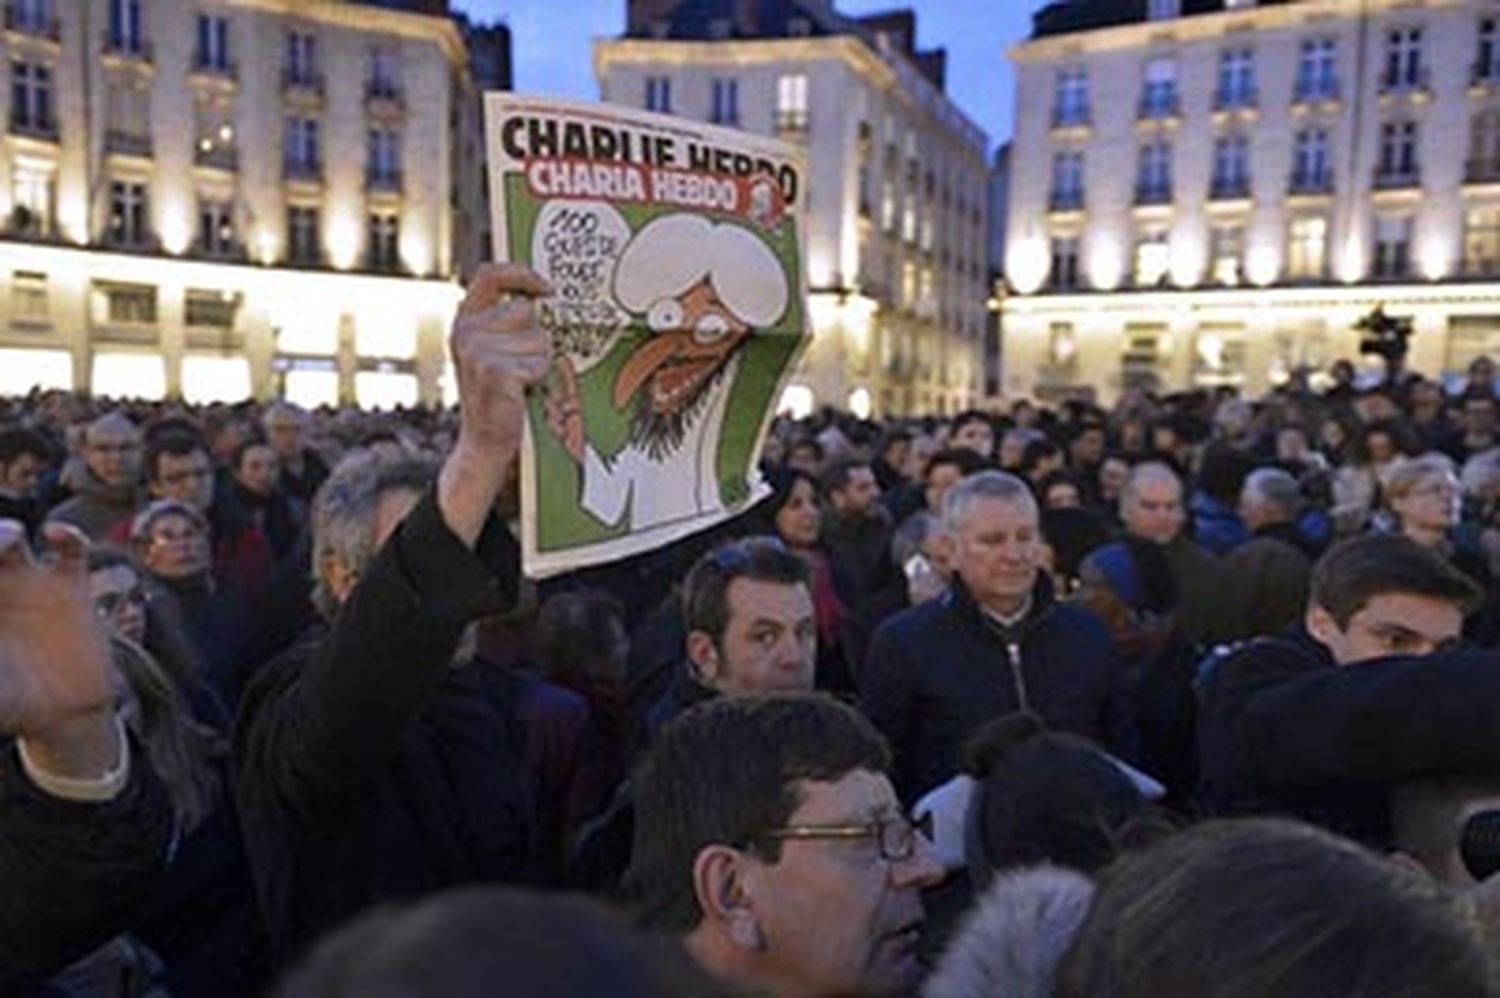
pixel 1404 82
pixel 1070 116
pixel 217 157
pixel 383 180
pixel 1229 189
pixel 1390 180
pixel 1482 171
pixel 1235 98
pixel 1151 194
pixel 34 127
pixel 303 80
pixel 1154 107
pixel 220 250
pixel 28 21
pixel 1314 89
pixel 127 46
pixel 1311 182
pixel 127 143
pixel 226 69
pixel 1066 200
pixel 302 169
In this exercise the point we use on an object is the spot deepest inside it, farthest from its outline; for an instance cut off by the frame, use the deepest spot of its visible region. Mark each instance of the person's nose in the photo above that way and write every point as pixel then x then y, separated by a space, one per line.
pixel 920 870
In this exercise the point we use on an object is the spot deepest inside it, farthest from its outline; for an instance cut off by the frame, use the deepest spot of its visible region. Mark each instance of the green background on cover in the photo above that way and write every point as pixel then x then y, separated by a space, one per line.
pixel 562 523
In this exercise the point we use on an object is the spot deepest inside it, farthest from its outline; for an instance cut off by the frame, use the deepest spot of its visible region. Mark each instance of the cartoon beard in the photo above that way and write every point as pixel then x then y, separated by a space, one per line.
pixel 661 433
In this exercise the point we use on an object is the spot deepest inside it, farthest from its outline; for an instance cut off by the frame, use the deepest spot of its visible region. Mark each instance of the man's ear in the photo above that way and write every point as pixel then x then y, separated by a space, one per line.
pixel 1321 625
pixel 703 657
pixel 719 885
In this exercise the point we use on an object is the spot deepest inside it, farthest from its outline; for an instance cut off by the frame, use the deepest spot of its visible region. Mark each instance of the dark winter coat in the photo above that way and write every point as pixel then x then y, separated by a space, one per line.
pixel 1267 581
pixel 940 670
pixel 369 769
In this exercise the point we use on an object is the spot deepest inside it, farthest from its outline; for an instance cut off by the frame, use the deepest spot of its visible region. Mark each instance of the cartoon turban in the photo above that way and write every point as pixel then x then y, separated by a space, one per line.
pixel 674 252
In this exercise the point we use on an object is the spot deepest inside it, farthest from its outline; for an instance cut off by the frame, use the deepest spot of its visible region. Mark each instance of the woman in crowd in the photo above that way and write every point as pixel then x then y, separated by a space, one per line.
pixel 257 487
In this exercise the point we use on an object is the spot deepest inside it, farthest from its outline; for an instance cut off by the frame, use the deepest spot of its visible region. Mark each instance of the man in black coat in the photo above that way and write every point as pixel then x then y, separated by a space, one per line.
pixel 995 643
pixel 369 769
pixel 84 823
pixel 1322 722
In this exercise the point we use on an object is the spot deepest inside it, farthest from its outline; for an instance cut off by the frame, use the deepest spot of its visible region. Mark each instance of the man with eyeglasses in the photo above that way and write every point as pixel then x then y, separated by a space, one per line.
pixel 770 840
pixel 106 483
pixel 1369 692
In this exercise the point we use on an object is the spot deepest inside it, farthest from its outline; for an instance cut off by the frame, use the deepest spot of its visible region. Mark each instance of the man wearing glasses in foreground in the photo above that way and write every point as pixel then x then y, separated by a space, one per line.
pixel 768 837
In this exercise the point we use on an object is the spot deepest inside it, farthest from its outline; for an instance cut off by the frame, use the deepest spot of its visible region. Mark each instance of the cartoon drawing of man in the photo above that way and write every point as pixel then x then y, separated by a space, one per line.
pixel 703 288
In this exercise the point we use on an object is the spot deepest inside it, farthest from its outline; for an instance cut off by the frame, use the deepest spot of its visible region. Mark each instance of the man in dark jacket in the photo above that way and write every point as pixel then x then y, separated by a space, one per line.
pixel 1322 723
pixel 370 769
pixel 24 455
pixel 996 642
pixel 1267 577
pixel 84 826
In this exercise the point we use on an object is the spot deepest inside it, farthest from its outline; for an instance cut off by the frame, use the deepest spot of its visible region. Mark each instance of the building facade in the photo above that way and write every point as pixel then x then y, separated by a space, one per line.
pixel 896 193
pixel 220 199
pixel 1212 192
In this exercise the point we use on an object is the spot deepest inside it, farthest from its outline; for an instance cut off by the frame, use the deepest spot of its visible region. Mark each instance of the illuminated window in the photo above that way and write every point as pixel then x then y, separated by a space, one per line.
pixel 1226 254
pixel 1153 258
pixel 385 389
pixel 384 242
pixel 1482 241
pixel 129 375
pixel 210 309
pixel 1392 246
pixel 216 228
pixel 311 388
pixel 29 302
pixel 33 192
pixel 791 102
pixel 303 245
pixel 23 370
pixel 1307 248
pixel 215 379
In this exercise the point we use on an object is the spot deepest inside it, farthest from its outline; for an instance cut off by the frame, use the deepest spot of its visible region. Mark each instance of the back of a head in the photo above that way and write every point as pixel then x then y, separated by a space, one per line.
pixel 725 772
pixel 1271 909
pixel 483 941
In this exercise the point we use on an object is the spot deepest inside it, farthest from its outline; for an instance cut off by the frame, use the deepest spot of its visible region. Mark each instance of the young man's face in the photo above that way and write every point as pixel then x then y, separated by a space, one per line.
pixel 1389 624
pixel 859 495
pixel 19 477
pixel 113 454
pixel 977 436
pixel 188 478
pixel 835 916
pixel 770 642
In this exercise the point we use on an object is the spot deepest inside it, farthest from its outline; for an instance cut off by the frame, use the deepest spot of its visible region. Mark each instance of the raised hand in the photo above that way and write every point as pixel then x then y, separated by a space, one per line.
pixel 564 408
pixel 498 352
pixel 54 657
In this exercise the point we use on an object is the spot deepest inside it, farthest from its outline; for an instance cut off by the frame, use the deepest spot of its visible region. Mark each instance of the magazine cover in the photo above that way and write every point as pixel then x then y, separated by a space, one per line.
pixel 674 251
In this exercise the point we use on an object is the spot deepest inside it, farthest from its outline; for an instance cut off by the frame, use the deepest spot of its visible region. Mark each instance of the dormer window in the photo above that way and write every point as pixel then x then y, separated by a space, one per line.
pixel 1161 10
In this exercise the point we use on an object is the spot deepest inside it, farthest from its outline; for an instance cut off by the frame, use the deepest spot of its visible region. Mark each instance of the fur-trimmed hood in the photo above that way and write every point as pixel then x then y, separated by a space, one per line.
pixel 1010 944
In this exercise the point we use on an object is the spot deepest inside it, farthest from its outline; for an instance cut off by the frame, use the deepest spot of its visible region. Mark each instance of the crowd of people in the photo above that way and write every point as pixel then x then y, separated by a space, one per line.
pixel 1193 695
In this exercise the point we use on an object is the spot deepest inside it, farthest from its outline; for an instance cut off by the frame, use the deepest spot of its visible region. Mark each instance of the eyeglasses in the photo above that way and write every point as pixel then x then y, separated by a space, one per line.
pixel 895 836
pixel 109 605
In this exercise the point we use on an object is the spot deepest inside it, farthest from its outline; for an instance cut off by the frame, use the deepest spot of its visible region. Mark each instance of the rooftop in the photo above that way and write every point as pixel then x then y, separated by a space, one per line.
pixel 1064 17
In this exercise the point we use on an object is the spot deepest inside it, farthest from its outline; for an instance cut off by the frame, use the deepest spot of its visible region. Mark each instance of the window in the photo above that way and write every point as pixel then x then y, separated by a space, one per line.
pixel 1141 359
pixel 216 145
pixel 129 304
pixel 1392 246
pixel 302 158
pixel 1317 70
pixel 1067 181
pixel 1403 60
pixel 301 59
pixel 1482 242
pixel 205 309
pixel 1236 78
pixel 213 43
pixel 385 73
pixel 302 236
pixel 1307 247
pixel 127 213
pixel 1160 10
pixel 1484 147
pixel 31 98
pixel 1152 258
pixel 1487 65
pixel 1159 91
pixel 725 109
pixel 34 17
pixel 1398 154
pixel 791 102
pixel 34 193
pixel 659 94
pixel 1311 172
pixel 126 30
pixel 1219 355
pixel 215 227
pixel 1064 273
pixel 384 165
pixel 1071 102
pixel 1154 179
pixel 29 301
pixel 1231 177
pixel 128 116
pixel 1226 252
pixel 385 242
